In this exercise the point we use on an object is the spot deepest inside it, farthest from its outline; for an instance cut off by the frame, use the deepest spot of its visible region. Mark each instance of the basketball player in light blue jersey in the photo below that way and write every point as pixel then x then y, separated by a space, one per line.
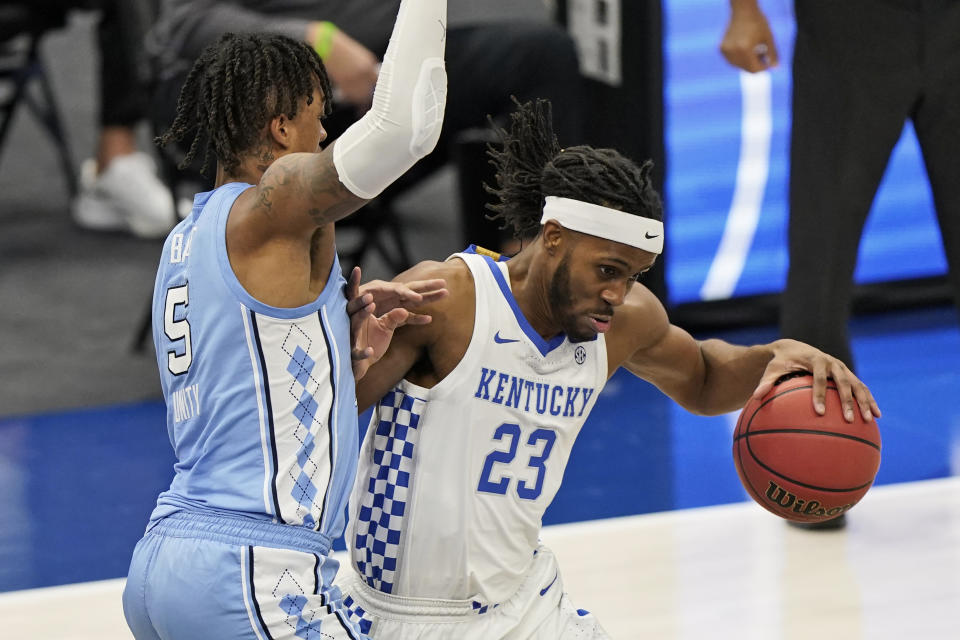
pixel 253 338
pixel 476 413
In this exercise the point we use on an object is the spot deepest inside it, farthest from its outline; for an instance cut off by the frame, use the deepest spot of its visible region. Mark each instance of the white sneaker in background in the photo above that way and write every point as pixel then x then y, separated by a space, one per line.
pixel 184 207
pixel 127 196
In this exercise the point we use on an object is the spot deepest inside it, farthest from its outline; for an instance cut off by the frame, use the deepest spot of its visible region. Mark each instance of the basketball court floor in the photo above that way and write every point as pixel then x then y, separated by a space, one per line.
pixel 654 533
pixel 729 571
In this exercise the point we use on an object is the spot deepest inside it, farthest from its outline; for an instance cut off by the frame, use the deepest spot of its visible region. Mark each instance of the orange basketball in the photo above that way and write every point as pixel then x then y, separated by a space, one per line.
pixel 800 465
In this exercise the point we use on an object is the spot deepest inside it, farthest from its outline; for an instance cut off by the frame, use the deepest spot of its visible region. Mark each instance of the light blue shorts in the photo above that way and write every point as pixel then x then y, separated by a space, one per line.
pixel 195 575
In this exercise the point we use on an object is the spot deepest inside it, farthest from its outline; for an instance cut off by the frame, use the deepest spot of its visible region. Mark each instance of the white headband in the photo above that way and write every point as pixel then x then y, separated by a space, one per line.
pixel 604 222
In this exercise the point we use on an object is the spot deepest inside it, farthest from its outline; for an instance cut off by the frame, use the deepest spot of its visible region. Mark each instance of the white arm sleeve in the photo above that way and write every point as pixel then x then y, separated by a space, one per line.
pixel 404 123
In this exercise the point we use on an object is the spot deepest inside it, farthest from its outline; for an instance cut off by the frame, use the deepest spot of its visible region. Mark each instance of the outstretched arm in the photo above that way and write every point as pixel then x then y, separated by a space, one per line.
pixel 710 377
pixel 307 190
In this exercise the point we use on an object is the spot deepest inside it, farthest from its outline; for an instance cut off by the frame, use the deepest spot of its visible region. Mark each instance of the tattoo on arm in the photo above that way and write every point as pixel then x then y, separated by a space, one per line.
pixel 265 201
pixel 325 186
pixel 280 176
pixel 309 184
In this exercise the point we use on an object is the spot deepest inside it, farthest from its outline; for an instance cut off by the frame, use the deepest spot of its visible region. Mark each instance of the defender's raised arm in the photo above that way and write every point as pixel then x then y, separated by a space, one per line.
pixel 298 189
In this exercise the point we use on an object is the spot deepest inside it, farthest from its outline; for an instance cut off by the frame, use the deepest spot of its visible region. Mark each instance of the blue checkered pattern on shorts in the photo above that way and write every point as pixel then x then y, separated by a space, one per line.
pixel 380 517
pixel 356 613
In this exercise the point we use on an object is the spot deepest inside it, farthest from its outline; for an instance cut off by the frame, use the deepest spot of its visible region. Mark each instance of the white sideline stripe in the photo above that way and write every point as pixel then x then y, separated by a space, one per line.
pixel 753 168
pixel 64 591
pixel 896 491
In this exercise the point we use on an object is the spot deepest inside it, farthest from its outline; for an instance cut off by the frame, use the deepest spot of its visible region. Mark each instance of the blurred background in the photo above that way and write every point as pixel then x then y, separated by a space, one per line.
pixel 83 444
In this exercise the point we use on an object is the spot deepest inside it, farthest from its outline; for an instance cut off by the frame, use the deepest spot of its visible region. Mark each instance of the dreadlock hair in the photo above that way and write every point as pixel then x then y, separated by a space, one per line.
pixel 236 87
pixel 531 165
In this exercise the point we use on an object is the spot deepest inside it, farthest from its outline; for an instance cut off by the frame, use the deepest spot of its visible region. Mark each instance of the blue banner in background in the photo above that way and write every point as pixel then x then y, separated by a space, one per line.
pixel 727 140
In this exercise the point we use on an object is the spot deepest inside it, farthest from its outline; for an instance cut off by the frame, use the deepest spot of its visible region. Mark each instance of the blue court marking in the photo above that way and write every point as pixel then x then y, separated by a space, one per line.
pixel 78 486
pixel 78 489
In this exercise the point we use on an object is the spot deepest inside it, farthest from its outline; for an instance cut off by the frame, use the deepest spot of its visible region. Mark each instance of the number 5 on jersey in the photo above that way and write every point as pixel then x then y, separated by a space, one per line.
pixel 177 330
pixel 536 460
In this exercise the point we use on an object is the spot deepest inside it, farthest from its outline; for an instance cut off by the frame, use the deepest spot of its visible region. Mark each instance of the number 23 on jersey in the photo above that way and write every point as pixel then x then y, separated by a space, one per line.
pixel 536 449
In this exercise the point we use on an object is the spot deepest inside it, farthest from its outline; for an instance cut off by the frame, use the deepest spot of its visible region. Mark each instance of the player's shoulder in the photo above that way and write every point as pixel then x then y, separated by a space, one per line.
pixel 639 322
pixel 454 271
pixel 456 274
pixel 432 269
pixel 641 304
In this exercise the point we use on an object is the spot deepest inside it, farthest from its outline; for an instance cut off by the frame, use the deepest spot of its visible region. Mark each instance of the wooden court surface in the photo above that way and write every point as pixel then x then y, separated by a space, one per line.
pixel 731 571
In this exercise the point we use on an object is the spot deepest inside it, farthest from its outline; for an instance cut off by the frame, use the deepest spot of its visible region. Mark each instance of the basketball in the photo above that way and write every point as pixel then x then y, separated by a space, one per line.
pixel 800 465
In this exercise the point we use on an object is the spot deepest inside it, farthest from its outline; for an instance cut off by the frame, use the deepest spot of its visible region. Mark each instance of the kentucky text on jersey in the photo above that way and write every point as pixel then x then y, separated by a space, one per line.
pixel 514 391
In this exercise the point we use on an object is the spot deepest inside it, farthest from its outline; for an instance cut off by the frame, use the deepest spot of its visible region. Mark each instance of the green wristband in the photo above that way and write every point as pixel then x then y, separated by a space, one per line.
pixel 323 41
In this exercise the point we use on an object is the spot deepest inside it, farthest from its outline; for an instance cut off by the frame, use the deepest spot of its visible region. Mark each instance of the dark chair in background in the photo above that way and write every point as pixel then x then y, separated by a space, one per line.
pixel 381 227
pixel 22 27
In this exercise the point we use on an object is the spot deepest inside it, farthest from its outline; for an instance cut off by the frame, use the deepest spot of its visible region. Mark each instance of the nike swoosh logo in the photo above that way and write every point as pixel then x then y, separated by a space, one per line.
pixel 547 588
pixel 499 340
pixel 650 237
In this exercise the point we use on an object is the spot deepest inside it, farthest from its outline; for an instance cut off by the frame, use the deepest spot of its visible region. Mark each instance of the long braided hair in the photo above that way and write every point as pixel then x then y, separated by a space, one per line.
pixel 531 165
pixel 236 87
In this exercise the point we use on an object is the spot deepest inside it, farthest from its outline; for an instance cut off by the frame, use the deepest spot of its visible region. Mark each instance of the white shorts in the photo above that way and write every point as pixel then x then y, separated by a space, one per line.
pixel 539 610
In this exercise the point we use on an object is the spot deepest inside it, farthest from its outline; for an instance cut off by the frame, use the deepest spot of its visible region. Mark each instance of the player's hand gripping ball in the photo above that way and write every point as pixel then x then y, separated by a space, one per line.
pixel 800 465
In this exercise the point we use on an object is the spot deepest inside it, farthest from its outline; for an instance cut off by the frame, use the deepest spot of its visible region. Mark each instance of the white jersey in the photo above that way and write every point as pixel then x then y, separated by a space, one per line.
pixel 453 481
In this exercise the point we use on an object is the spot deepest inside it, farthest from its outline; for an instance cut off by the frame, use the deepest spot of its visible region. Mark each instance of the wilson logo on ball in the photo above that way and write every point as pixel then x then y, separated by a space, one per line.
pixel 780 496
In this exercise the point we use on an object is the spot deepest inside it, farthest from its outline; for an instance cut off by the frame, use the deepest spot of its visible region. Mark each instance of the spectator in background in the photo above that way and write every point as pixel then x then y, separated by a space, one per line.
pixel 495 50
pixel 119 186
pixel 861 68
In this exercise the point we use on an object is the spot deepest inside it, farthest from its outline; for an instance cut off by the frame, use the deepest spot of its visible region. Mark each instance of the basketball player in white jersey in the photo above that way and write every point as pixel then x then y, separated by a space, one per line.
pixel 253 337
pixel 477 412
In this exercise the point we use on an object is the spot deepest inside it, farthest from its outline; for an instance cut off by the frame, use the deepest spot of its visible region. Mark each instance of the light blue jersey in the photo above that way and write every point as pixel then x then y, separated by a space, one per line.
pixel 262 416
pixel 261 405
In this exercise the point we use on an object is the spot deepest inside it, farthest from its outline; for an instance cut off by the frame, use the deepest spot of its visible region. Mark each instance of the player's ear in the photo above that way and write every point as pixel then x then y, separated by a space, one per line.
pixel 279 128
pixel 552 236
